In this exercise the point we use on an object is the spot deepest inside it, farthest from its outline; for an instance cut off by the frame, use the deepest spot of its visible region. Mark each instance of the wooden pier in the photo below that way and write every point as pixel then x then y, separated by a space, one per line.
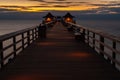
pixel 58 57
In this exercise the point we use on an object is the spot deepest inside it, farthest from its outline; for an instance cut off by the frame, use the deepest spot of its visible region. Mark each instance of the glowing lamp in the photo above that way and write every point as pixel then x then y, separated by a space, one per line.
pixel 48 19
pixel 68 19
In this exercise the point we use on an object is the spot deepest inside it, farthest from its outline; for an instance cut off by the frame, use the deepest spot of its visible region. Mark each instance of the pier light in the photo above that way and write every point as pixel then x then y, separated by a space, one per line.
pixel 48 18
pixel 68 18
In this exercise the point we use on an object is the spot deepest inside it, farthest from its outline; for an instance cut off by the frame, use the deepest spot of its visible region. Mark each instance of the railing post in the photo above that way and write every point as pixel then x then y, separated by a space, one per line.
pixel 101 45
pixel 14 46
pixel 33 35
pixel 39 31
pixel 28 37
pixel 88 37
pixel 1 54
pixel 113 53
pixel 42 32
pixel 83 35
pixel 93 40
pixel 23 41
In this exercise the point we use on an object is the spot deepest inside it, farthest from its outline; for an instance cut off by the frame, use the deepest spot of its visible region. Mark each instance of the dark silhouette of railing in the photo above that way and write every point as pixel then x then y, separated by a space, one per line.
pixel 106 45
pixel 19 41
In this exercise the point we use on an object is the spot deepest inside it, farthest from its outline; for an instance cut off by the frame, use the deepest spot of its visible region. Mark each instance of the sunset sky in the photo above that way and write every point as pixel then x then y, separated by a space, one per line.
pixel 102 6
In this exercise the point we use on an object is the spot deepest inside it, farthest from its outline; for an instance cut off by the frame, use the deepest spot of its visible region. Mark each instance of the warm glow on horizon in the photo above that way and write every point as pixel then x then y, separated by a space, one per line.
pixel 17 3
pixel 58 5
pixel 38 9
pixel 73 8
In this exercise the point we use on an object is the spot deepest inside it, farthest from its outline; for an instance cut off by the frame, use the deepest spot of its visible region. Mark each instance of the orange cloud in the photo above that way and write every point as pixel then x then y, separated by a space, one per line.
pixel 60 5
pixel 44 8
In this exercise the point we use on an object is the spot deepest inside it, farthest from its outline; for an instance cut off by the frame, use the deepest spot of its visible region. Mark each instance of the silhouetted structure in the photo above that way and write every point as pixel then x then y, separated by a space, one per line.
pixel 68 18
pixel 48 18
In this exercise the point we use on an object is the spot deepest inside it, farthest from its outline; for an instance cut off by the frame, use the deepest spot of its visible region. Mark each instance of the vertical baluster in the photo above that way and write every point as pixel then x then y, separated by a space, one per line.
pixel 113 53
pixel 28 37
pixel 39 32
pixel 1 54
pixel 93 40
pixel 32 34
pixel 101 46
pixel 23 41
pixel 88 37
pixel 35 33
pixel 14 46
pixel 83 35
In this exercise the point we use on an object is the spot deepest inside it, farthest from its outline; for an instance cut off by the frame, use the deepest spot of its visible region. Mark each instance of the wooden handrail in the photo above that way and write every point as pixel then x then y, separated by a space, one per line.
pixel 101 40
pixel 30 32
pixel 99 32
pixel 9 35
pixel 13 36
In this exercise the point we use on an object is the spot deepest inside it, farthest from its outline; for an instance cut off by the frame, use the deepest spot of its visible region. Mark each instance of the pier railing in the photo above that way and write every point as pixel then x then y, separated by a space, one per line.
pixel 105 44
pixel 13 43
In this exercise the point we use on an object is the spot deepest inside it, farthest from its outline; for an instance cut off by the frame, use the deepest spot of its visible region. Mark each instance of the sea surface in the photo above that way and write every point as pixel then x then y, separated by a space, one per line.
pixel 8 26
pixel 107 26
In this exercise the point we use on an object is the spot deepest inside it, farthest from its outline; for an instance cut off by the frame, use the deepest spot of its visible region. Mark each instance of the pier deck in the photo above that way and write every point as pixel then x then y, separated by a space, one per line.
pixel 59 57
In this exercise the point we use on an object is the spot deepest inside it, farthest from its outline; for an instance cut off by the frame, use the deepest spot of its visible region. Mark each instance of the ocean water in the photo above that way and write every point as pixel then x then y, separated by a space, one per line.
pixel 8 26
pixel 108 26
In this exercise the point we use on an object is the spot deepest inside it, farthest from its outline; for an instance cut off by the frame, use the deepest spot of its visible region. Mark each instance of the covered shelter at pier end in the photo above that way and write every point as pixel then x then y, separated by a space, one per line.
pixel 48 18
pixel 69 18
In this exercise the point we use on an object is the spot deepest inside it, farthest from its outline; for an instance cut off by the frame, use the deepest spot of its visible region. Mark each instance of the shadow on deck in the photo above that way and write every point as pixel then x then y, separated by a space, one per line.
pixel 59 57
